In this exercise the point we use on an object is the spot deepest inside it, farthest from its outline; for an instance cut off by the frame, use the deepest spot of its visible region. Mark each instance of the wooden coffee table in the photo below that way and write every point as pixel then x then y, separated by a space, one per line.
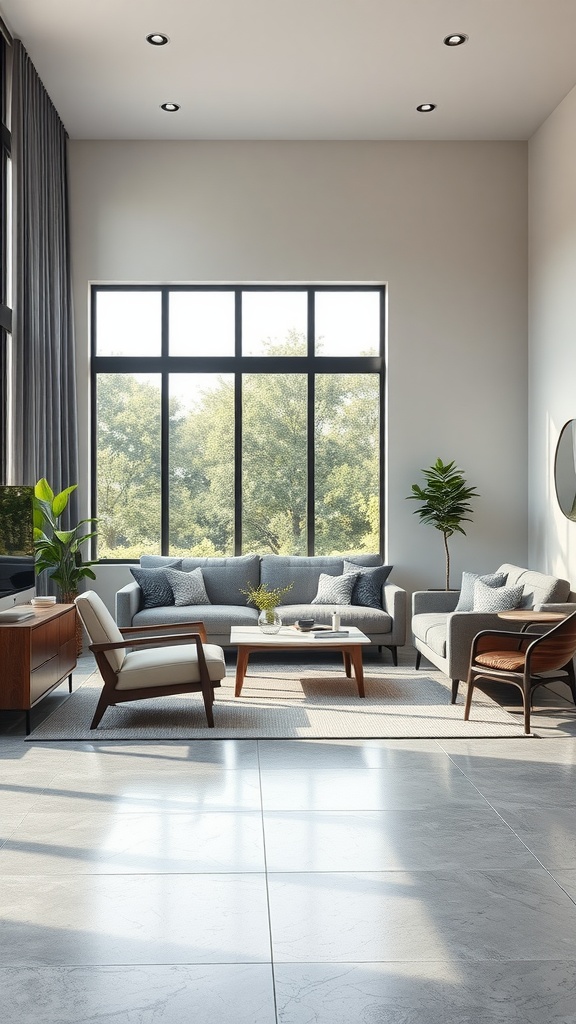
pixel 250 638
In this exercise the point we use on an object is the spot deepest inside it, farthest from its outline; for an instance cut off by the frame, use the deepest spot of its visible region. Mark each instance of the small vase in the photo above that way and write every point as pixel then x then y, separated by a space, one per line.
pixel 269 620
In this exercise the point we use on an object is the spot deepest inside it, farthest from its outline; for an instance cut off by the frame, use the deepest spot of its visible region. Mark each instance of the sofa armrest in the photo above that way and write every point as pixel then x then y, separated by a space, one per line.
pixel 461 628
pixel 424 601
pixel 128 602
pixel 394 602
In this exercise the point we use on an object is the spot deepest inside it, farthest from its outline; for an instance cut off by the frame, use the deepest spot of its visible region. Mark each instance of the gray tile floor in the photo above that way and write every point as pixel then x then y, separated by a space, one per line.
pixel 256 882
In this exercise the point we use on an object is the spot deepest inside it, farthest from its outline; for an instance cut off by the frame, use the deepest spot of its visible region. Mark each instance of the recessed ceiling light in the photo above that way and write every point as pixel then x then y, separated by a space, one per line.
pixel 457 39
pixel 157 39
pixel 425 108
pixel 170 107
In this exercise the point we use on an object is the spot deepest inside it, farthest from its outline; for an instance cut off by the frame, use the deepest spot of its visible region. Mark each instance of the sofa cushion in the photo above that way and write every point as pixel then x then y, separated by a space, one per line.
pixel 431 628
pixel 496 599
pixel 156 590
pixel 335 589
pixel 368 587
pixel 187 587
pixel 217 618
pixel 370 620
pixel 466 599
pixel 304 572
pixel 223 577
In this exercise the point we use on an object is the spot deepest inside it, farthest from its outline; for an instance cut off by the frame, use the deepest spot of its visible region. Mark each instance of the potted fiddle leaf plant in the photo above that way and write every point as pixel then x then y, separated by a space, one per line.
pixel 445 502
pixel 57 551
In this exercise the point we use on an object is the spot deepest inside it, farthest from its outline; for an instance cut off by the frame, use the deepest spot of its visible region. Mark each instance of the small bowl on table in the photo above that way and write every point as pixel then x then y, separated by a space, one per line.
pixel 305 624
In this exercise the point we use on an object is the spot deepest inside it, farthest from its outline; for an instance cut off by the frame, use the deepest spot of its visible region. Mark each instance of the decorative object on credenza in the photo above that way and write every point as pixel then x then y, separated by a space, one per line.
pixel 266 600
pixel 57 551
pixel 565 470
pixel 445 502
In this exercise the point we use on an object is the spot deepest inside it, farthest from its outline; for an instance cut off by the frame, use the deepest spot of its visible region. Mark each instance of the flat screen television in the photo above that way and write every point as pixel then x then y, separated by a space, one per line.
pixel 17 577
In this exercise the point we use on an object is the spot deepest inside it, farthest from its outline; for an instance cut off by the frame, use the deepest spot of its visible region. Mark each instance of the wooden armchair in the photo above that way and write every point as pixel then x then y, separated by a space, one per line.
pixel 172 663
pixel 525 662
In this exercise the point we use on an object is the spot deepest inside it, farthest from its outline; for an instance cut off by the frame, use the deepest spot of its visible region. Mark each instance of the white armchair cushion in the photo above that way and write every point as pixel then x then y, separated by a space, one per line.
pixel 100 626
pixel 178 664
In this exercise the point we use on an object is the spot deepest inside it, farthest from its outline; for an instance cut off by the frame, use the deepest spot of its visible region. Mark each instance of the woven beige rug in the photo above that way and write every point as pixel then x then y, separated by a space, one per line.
pixel 290 701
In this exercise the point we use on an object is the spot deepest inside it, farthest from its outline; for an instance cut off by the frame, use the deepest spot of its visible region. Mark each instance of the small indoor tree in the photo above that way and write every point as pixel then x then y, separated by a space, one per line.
pixel 445 502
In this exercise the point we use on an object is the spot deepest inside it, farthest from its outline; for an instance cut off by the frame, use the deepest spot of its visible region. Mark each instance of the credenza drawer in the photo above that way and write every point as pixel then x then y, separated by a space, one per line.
pixel 44 677
pixel 45 640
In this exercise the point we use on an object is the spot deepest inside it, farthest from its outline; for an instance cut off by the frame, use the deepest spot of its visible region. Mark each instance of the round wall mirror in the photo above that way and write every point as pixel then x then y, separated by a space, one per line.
pixel 565 470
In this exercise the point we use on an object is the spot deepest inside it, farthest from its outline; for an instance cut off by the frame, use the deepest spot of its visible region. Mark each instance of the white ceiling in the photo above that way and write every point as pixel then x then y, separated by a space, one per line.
pixel 304 69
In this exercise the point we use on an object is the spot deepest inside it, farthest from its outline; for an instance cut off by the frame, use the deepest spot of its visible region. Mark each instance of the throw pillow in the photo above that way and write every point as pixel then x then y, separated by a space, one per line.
pixel 187 587
pixel 156 591
pixel 368 587
pixel 335 589
pixel 496 599
pixel 466 599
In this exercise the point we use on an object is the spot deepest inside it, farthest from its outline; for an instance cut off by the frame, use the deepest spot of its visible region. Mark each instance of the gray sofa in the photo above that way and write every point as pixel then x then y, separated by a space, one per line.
pixel 224 578
pixel 445 636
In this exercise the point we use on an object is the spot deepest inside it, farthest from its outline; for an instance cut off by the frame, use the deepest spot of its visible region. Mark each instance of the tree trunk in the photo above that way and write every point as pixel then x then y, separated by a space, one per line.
pixel 447 552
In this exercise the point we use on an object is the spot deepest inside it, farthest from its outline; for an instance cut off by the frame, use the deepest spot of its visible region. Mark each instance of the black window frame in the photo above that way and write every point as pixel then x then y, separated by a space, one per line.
pixel 5 242
pixel 238 364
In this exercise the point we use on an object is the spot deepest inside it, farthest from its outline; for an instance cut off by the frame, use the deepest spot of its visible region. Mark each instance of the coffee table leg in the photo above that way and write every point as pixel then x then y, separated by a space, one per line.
pixel 356 654
pixel 347 663
pixel 241 667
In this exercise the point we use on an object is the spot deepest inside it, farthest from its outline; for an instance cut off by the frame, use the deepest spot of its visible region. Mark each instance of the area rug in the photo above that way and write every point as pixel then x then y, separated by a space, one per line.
pixel 288 701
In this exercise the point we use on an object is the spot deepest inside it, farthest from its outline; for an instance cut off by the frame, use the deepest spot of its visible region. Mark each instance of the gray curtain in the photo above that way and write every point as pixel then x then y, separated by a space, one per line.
pixel 44 385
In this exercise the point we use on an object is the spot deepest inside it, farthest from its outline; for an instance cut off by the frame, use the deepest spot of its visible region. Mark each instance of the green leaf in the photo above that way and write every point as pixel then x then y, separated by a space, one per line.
pixel 60 501
pixel 43 491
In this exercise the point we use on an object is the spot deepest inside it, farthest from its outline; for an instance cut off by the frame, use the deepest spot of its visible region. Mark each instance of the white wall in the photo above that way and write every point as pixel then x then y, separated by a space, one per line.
pixel 445 224
pixel 552 176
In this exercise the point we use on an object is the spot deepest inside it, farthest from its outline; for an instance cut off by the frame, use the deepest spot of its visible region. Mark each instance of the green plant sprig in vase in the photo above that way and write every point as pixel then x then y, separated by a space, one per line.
pixel 265 599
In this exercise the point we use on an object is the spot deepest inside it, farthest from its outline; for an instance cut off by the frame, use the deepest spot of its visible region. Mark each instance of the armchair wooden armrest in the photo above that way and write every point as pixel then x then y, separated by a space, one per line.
pixel 150 641
pixel 196 627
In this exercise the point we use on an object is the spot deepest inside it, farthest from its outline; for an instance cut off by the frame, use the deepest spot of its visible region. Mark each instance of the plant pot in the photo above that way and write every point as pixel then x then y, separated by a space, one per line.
pixel 69 599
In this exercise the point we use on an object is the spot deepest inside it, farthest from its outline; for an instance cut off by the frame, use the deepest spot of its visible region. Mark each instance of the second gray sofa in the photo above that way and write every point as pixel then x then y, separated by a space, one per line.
pixel 444 636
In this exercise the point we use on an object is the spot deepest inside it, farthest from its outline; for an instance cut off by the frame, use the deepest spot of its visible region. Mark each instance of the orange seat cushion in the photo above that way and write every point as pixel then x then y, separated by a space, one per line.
pixel 506 661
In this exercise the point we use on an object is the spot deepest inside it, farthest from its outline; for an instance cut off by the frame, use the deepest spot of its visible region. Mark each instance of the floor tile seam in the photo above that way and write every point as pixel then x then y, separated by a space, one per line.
pixel 68 876
pixel 531 852
pixel 131 965
pixel 267 887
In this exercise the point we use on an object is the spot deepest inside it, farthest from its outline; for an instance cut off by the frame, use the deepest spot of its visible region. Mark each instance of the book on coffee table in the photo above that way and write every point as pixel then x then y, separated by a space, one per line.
pixel 330 634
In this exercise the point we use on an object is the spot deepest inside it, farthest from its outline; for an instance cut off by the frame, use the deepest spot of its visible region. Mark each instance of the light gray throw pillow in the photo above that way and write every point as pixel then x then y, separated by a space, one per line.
pixel 335 589
pixel 187 587
pixel 466 599
pixel 496 599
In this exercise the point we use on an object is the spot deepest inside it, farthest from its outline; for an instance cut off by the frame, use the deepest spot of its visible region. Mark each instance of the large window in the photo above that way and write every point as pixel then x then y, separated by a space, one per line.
pixel 230 419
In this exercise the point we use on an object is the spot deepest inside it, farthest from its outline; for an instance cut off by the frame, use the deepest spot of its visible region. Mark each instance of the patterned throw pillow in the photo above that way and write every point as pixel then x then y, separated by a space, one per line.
pixel 187 587
pixel 466 599
pixel 156 591
pixel 496 599
pixel 335 589
pixel 368 587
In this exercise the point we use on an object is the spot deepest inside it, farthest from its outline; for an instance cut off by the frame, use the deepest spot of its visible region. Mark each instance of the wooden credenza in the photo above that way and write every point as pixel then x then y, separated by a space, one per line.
pixel 35 656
